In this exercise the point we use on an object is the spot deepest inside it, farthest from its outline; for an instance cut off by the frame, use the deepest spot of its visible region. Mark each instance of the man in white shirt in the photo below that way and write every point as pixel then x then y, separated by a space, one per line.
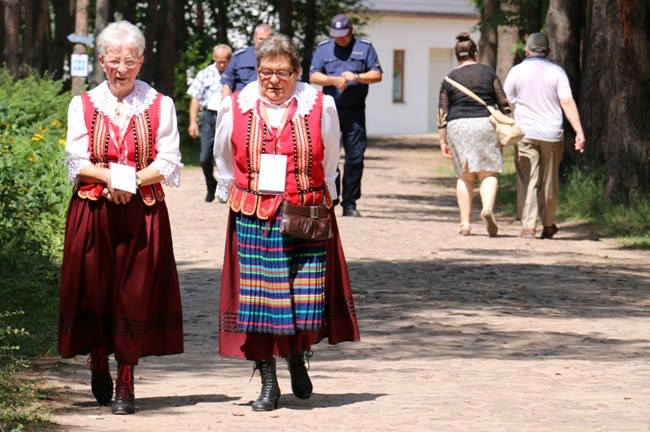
pixel 540 92
pixel 206 96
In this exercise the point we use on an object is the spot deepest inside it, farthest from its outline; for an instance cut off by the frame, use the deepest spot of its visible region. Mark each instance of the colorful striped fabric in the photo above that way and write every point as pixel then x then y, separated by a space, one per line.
pixel 282 279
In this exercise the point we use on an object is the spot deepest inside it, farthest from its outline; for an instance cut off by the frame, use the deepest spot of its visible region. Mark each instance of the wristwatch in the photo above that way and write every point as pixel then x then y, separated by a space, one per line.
pixel 138 181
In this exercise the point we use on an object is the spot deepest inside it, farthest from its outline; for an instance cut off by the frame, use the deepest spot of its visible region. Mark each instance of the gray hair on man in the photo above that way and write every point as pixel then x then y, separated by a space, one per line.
pixel 537 45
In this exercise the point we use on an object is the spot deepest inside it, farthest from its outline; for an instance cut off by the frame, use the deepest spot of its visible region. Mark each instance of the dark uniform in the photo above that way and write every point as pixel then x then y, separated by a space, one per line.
pixel 241 70
pixel 332 60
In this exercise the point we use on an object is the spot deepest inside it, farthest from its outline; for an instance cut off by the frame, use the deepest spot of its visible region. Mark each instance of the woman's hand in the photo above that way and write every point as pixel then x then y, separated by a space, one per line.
pixel 116 196
pixel 444 147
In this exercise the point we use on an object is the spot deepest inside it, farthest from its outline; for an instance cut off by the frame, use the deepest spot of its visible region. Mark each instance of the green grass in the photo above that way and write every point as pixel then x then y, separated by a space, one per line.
pixel 581 199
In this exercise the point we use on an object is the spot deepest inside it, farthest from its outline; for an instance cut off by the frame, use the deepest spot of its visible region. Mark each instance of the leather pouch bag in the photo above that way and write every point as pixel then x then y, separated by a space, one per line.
pixel 507 130
pixel 305 222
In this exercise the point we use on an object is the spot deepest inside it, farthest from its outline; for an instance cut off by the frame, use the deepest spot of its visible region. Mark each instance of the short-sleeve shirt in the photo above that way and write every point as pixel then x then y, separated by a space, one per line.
pixel 205 85
pixel 535 87
pixel 241 70
pixel 332 60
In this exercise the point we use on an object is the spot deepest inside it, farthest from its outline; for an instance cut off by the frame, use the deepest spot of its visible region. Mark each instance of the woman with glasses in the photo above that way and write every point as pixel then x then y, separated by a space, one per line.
pixel 278 140
pixel 119 285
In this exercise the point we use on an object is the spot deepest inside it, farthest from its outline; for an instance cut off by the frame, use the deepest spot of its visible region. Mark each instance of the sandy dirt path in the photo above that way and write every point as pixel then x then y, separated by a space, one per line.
pixel 458 333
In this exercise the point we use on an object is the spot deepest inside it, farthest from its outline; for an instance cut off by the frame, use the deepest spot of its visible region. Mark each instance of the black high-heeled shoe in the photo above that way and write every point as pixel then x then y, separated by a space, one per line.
pixel 270 393
pixel 124 391
pixel 300 383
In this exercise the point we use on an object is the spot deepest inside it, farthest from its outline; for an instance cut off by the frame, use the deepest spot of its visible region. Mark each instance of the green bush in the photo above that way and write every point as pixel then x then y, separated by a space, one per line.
pixel 32 139
pixel 33 201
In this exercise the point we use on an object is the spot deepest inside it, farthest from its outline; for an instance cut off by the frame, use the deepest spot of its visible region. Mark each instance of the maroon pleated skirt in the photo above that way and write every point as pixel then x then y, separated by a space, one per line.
pixel 119 283
pixel 340 316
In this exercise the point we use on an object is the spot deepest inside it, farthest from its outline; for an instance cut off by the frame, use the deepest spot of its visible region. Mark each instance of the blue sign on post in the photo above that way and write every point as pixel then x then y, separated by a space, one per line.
pixel 80 39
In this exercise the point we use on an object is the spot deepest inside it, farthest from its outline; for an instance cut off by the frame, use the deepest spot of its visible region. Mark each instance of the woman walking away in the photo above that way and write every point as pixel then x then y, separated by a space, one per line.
pixel 466 135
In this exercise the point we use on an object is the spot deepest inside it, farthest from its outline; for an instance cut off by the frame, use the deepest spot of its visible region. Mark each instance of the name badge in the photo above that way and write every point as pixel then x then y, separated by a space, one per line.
pixel 122 177
pixel 273 172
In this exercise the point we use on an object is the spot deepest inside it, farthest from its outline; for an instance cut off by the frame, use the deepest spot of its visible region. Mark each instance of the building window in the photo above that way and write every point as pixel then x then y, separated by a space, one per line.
pixel 398 76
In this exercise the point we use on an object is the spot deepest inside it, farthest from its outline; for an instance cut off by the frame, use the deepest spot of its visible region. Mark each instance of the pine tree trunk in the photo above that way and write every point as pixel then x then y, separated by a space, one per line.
pixel 41 35
pixel 60 47
pixel 167 43
pixel 80 29
pixel 487 46
pixel 28 37
pixel 310 38
pixel 285 9
pixel 149 70
pixel 222 21
pixel 12 28
pixel 615 92
pixel 102 10
pixel 508 37
pixel 2 31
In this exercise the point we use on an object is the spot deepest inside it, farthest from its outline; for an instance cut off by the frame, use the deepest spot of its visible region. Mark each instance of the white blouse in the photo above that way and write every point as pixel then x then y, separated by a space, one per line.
pixel 168 155
pixel 306 96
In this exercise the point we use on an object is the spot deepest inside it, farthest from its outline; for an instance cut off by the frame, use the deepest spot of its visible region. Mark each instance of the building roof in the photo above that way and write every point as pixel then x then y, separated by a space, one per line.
pixel 428 7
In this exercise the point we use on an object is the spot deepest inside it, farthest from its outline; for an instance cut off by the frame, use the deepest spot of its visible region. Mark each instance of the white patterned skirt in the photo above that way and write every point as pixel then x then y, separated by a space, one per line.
pixel 474 146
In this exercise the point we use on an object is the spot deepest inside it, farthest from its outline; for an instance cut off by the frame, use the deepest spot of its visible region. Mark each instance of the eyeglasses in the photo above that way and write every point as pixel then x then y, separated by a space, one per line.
pixel 281 74
pixel 115 64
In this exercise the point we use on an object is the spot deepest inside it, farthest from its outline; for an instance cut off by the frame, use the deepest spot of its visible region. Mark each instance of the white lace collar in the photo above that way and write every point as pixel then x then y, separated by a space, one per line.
pixel 135 103
pixel 304 93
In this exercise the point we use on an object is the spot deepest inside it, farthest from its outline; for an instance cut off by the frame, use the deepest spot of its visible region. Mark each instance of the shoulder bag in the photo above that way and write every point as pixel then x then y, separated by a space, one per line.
pixel 507 130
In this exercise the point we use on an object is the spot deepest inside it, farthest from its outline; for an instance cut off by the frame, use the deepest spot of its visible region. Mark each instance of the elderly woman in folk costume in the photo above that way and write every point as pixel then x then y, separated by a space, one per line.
pixel 119 284
pixel 277 141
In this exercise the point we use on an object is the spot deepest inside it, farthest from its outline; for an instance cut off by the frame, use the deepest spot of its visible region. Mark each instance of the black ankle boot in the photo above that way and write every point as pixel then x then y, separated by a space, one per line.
pixel 124 391
pixel 270 394
pixel 101 382
pixel 300 382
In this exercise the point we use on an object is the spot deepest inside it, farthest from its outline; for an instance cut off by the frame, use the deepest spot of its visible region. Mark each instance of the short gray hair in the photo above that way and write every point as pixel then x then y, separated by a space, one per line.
pixel 278 45
pixel 120 33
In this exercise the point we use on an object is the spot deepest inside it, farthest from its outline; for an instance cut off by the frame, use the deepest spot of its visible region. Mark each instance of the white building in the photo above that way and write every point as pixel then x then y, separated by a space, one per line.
pixel 414 40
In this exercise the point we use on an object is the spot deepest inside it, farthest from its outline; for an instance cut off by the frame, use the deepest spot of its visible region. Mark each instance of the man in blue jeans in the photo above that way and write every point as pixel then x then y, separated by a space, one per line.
pixel 205 91
pixel 344 66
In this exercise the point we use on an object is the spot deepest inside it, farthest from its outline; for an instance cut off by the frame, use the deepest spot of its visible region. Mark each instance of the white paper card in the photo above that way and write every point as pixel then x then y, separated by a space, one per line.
pixel 273 171
pixel 122 177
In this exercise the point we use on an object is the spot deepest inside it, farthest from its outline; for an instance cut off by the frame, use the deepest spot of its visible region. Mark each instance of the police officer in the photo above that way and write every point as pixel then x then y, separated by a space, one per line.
pixel 205 91
pixel 344 66
pixel 243 67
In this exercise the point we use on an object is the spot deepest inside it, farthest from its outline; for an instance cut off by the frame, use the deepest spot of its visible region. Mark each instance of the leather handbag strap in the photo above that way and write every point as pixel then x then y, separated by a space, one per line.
pixel 465 90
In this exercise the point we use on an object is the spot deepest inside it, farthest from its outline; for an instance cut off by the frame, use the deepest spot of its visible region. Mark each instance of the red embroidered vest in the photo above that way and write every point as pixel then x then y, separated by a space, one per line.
pixel 140 140
pixel 300 141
